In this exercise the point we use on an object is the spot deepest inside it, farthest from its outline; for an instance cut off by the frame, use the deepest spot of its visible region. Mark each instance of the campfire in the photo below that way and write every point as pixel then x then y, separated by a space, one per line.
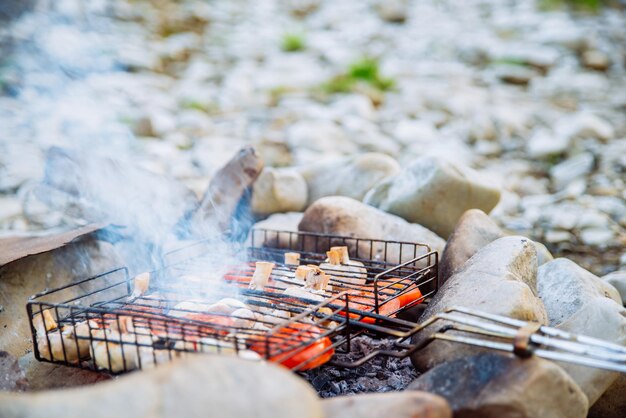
pixel 293 306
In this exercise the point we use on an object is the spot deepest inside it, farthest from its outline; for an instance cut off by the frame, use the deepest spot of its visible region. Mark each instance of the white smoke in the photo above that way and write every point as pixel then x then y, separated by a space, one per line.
pixel 93 172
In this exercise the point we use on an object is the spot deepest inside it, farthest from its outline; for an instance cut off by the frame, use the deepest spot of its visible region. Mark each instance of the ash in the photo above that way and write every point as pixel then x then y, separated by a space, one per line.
pixel 380 374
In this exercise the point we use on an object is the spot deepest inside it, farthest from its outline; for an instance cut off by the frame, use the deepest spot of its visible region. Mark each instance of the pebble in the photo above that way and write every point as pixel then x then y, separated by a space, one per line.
pixel 599 237
pixel 571 169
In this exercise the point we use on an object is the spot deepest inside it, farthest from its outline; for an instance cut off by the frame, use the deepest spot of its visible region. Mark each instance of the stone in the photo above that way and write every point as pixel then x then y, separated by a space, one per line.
pixel 344 216
pixel 12 377
pixel 352 177
pixel 474 230
pixel 274 153
pixel 612 403
pixel 185 388
pixel 434 193
pixel 571 169
pixel 603 318
pixel 543 144
pixel 599 237
pixel 491 385
pixel 543 254
pixel 565 287
pixel 225 190
pixel 408 131
pixel 617 279
pixel 320 137
pixel 588 125
pixel 407 404
pixel 555 236
pixel 393 11
pixel 499 279
pixel 275 190
pixel 596 60
pixel 515 74
pixel 285 222
pixel 51 269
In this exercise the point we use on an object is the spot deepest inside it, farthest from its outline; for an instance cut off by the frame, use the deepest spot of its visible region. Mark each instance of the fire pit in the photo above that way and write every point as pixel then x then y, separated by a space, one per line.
pixel 119 323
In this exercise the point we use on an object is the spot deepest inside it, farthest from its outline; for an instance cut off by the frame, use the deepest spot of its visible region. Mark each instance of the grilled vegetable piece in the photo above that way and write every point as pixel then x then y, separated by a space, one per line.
pixel 261 275
pixel 342 269
pixel 62 344
pixel 142 282
pixel 296 346
pixel 292 259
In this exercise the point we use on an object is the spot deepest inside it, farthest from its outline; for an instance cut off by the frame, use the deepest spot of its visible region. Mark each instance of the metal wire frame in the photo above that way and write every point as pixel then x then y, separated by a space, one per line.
pixel 106 304
pixel 501 333
pixel 157 330
pixel 394 268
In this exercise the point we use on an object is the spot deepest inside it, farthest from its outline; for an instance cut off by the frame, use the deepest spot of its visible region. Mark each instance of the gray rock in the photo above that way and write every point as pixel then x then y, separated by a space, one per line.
pixel 600 237
pixel 433 193
pixel 596 60
pixel 394 11
pixel 187 388
pixel 278 190
pixel 588 125
pixel 617 279
pixel 545 144
pixel 612 403
pixel 500 279
pixel 408 404
pixel 571 169
pixel 352 177
pixel 225 190
pixel 348 217
pixel 599 317
pixel 515 74
pixel 286 222
pixel 491 385
pixel 474 230
pixel 320 137
pixel 543 254
pixel 565 287
pixel 12 377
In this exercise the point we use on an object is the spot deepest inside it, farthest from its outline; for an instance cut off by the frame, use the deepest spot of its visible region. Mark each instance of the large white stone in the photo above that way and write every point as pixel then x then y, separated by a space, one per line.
pixel 500 279
pixel 565 287
pixel 278 190
pixel 348 217
pixel 352 176
pixel 602 318
pixel 617 279
pixel 433 193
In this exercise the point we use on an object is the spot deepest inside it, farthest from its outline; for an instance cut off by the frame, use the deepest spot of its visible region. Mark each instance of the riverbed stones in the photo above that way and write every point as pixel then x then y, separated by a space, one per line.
pixel 500 279
pixel 433 193
pixel 491 385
